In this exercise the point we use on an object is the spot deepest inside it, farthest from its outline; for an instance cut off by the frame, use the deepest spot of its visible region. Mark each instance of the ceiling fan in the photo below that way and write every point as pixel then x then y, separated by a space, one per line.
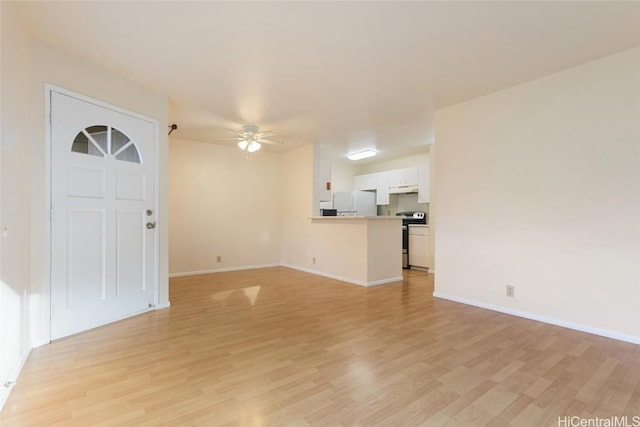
pixel 250 138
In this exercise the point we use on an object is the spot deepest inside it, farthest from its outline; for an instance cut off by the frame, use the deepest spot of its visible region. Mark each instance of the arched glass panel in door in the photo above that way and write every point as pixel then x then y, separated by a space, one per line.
pixel 100 140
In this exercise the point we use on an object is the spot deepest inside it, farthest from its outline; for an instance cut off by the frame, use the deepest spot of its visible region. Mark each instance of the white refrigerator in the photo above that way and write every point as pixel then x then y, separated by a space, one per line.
pixel 355 203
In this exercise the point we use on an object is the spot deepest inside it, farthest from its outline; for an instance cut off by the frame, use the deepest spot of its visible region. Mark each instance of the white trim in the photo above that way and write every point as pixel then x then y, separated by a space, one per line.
pixel 539 318
pixel 4 393
pixel 49 89
pixel 385 281
pixel 46 303
pixel 293 267
pixel 157 216
pixel 40 343
pixel 345 279
pixel 163 305
pixel 221 270
pixel 117 109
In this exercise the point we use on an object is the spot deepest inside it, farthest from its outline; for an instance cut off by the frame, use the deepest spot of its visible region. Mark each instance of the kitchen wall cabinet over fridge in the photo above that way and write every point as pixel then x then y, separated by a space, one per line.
pixel 378 182
pixel 366 182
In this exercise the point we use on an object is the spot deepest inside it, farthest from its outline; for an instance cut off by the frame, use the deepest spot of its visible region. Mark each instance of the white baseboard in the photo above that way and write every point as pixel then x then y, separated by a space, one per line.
pixel 306 270
pixel 41 342
pixel 344 279
pixel 13 378
pixel 543 319
pixel 221 270
pixel 385 281
pixel 163 305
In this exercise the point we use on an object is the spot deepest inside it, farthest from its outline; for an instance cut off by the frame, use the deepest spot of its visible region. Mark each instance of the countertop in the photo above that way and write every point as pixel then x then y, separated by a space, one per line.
pixel 343 218
pixel 419 225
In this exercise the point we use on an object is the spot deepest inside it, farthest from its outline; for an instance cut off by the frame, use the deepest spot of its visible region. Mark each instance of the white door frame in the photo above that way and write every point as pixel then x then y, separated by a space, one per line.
pixel 49 89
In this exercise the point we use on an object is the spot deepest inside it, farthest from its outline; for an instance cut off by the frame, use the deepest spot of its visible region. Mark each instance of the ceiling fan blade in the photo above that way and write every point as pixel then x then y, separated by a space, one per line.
pixel 236 138
pixel 266 134
pixel 236 131
pixel 270 141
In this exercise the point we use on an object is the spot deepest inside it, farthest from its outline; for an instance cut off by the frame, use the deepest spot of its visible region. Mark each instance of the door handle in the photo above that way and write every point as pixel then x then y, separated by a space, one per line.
pixel 151 225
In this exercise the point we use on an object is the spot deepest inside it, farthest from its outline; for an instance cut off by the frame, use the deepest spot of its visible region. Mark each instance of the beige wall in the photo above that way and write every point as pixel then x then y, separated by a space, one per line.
pixel 297 206
pixel 538 187
pixel 356 250
pixel 15 181
pixel 223 204
pixel 432 212
pixel 340 249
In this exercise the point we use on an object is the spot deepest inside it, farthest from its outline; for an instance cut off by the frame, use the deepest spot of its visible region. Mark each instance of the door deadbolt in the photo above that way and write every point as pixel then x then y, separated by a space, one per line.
pixel 151 225
pixel 149 212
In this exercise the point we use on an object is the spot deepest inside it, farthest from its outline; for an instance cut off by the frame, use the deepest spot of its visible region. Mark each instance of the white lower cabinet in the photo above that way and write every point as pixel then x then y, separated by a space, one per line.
pixel 418 246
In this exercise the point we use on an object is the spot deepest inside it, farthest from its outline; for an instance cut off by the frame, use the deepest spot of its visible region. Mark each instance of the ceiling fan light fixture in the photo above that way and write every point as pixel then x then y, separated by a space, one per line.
pixel 250 146
pixel 253 146
pixel 361 155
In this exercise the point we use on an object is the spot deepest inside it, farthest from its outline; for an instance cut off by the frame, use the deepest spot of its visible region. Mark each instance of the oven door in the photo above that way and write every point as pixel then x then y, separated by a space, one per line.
pixel 405 246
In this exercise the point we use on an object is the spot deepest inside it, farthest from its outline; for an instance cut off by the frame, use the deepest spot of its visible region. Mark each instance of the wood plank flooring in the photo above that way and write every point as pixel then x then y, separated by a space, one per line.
pixel 279 347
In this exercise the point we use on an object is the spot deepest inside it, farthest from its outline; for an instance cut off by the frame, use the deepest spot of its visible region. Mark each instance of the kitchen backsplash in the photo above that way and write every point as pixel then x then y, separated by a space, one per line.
pixel 402 203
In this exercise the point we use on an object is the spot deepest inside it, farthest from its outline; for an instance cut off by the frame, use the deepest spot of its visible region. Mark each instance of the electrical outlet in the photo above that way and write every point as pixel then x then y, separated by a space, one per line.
pixel 511 291
pixel 219 258
pixel 313 260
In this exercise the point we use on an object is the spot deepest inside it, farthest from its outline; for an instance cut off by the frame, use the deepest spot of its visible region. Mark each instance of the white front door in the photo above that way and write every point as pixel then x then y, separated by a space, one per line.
pixel 102 220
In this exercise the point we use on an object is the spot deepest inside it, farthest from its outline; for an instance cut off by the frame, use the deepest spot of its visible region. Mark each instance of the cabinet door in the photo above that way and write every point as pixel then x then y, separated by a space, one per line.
pixel 382 188
pixel 365 182
pixel 406 176
pixel 418 247
pixel 423 184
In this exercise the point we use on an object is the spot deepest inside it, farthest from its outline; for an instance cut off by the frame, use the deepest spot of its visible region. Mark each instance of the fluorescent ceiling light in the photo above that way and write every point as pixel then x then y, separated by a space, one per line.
pixel 361 155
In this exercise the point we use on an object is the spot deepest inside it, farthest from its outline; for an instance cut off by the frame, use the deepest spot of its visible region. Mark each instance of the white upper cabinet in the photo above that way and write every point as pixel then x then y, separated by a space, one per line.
pixel 423 184
pixel 401 177
pixel 382 188
pixel 374 181
pixel 365 182
pixel 381 182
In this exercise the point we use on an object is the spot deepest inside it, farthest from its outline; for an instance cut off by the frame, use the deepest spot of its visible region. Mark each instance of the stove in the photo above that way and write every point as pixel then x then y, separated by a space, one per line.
pixel 413 217
pixel 409 218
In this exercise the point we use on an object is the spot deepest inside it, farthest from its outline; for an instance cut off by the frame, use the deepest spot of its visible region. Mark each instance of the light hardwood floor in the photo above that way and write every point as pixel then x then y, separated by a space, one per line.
pixel 279 347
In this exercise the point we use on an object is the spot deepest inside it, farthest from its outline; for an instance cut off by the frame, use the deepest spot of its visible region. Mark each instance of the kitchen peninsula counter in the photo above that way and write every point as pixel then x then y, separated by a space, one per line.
pixel 365 250
pixel 347 217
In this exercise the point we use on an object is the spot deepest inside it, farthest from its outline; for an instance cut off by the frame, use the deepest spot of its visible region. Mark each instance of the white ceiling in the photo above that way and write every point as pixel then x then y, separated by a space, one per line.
pixel 348 75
